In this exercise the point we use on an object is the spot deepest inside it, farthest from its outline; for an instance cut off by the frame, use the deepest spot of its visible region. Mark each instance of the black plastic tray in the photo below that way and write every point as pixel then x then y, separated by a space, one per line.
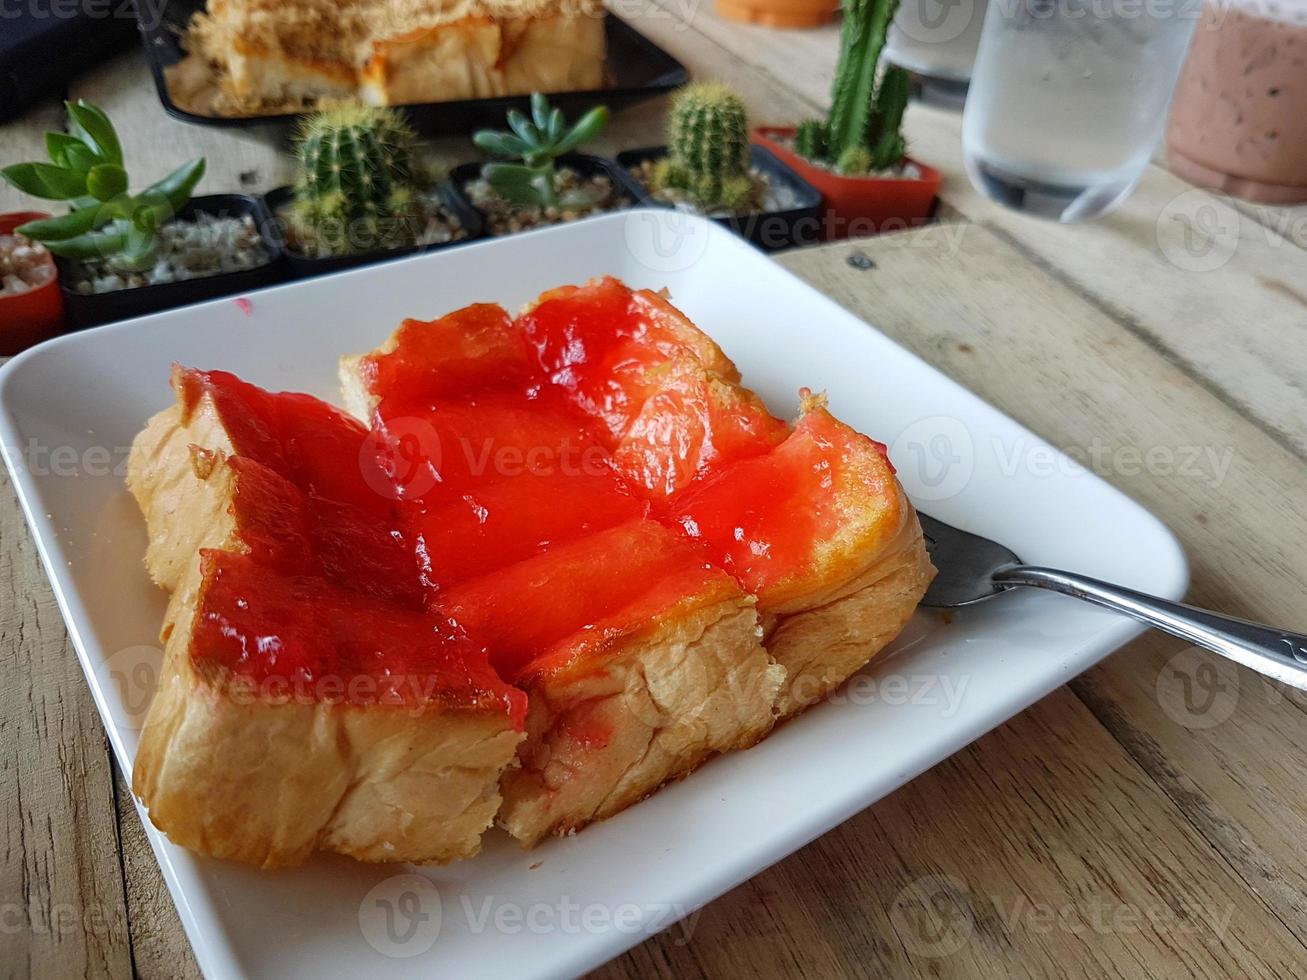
pixel 769 230
pixel 304 266
pixel 637 69
pixel 90 311
pixel 584 163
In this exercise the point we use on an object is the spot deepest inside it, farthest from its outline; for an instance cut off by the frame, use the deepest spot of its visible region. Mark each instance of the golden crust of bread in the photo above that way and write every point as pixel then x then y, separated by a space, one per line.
pixel 696 685
pixel 228 772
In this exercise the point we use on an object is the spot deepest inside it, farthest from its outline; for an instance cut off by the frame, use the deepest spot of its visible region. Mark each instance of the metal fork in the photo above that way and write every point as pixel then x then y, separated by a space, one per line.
pixel 972 568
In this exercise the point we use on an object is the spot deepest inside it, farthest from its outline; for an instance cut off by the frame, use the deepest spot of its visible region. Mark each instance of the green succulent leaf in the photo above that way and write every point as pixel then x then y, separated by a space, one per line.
pixel 45 180
pixel 585 129
pixel 525 130
pixel 178 186
pixel 520 184
pixel 540 110
pixel 63 227
pixel 554 127
pixel 89 124
pixel 57 146
pixel 106 181
pixel 500 144
pixel 93 245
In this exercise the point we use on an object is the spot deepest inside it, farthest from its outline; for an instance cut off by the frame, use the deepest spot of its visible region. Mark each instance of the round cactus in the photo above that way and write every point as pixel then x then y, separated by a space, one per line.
pixel 854 162
pixel 359 182
pixel 708 149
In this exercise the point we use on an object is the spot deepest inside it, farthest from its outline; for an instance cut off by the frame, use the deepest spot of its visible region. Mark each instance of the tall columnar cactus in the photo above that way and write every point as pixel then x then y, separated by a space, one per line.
pixel 708 149
pixel 360 181
pixel 862 130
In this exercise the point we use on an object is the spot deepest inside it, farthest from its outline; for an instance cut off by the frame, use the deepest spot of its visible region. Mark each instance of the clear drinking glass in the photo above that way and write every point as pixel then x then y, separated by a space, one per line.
pixel 1068 99
pixel 937 38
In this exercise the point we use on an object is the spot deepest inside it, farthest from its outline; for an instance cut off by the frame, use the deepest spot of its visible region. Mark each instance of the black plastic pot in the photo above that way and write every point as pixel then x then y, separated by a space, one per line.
pixel 302 266
pixel 90 311
pixel 583 163
pixel 769 230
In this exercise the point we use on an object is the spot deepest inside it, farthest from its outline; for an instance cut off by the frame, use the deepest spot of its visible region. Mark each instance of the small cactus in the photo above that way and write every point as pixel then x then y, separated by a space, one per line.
pixel 708 150
pixel 810 139
pixel 360 182
pixel 865 121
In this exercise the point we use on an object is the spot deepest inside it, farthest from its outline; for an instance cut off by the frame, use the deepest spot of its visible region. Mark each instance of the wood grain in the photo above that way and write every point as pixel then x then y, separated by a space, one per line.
pixel 62 910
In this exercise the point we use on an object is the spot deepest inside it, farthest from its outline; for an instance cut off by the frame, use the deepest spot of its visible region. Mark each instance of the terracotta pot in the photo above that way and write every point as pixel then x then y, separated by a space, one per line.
pixel 779 13
pixel 859 205
pixel 1239 115
pixel 33 316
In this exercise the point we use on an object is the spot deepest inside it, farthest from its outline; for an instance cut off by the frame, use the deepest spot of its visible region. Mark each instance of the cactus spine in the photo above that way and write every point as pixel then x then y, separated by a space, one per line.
pixel 359 181
pixel 863 125
pixel 708 149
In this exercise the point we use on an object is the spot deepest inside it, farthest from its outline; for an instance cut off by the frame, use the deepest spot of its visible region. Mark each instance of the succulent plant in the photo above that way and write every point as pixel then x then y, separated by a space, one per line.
pixel 360 182
pixel 538 142
pixel 105 221
pixel 864 115
pixel 708 150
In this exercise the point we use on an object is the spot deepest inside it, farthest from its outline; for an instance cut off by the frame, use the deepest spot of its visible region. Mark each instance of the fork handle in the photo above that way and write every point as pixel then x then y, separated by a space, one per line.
pixel 1274 652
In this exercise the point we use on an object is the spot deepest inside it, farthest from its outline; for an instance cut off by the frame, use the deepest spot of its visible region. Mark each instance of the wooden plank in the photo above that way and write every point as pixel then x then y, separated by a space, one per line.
pixel 1222 294
pixel 1054 361
pixel 1040 851
pixel 62 911
pixel 160 948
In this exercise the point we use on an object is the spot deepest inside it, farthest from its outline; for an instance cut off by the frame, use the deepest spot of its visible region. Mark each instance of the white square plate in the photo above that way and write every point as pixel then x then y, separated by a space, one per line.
pixel 69 410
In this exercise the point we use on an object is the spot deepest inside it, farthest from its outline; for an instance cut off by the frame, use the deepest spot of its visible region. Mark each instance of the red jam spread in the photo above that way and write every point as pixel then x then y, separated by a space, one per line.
pixel 545 487
pixel 299 638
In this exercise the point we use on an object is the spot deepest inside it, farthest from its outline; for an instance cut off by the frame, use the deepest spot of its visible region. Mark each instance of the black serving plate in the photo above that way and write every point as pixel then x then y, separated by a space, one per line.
pixel 637 69
pixel 90 311
pixel 583 163
pixel 303 266
pixel 769 230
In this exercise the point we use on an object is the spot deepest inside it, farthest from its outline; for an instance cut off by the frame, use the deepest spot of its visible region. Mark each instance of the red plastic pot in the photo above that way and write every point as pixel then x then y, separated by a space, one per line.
pixel 859 205
pixel 33 316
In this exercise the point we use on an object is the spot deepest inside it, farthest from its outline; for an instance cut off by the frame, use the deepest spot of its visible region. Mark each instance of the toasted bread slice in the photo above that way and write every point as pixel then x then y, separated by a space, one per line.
pixel 813 522
pixel 609 621
pixel 307 701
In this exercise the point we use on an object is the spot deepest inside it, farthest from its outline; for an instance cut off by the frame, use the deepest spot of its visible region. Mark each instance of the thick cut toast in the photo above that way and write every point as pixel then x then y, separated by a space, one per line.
pixel 812 521
pixel 639 659
pixel 272 55
pixel 307 700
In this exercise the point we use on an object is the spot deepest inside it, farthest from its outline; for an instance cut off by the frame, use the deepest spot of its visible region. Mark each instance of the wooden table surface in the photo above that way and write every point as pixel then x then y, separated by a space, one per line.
pixel 1148 819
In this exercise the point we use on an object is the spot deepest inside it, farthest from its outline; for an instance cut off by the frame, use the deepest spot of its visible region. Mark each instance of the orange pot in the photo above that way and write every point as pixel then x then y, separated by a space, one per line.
pixel 33 316
pixel 858 206
pixel 779 13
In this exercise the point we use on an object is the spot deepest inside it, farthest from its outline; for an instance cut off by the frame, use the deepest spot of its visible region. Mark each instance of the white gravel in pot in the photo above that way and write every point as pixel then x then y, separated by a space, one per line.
pixel 206 246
